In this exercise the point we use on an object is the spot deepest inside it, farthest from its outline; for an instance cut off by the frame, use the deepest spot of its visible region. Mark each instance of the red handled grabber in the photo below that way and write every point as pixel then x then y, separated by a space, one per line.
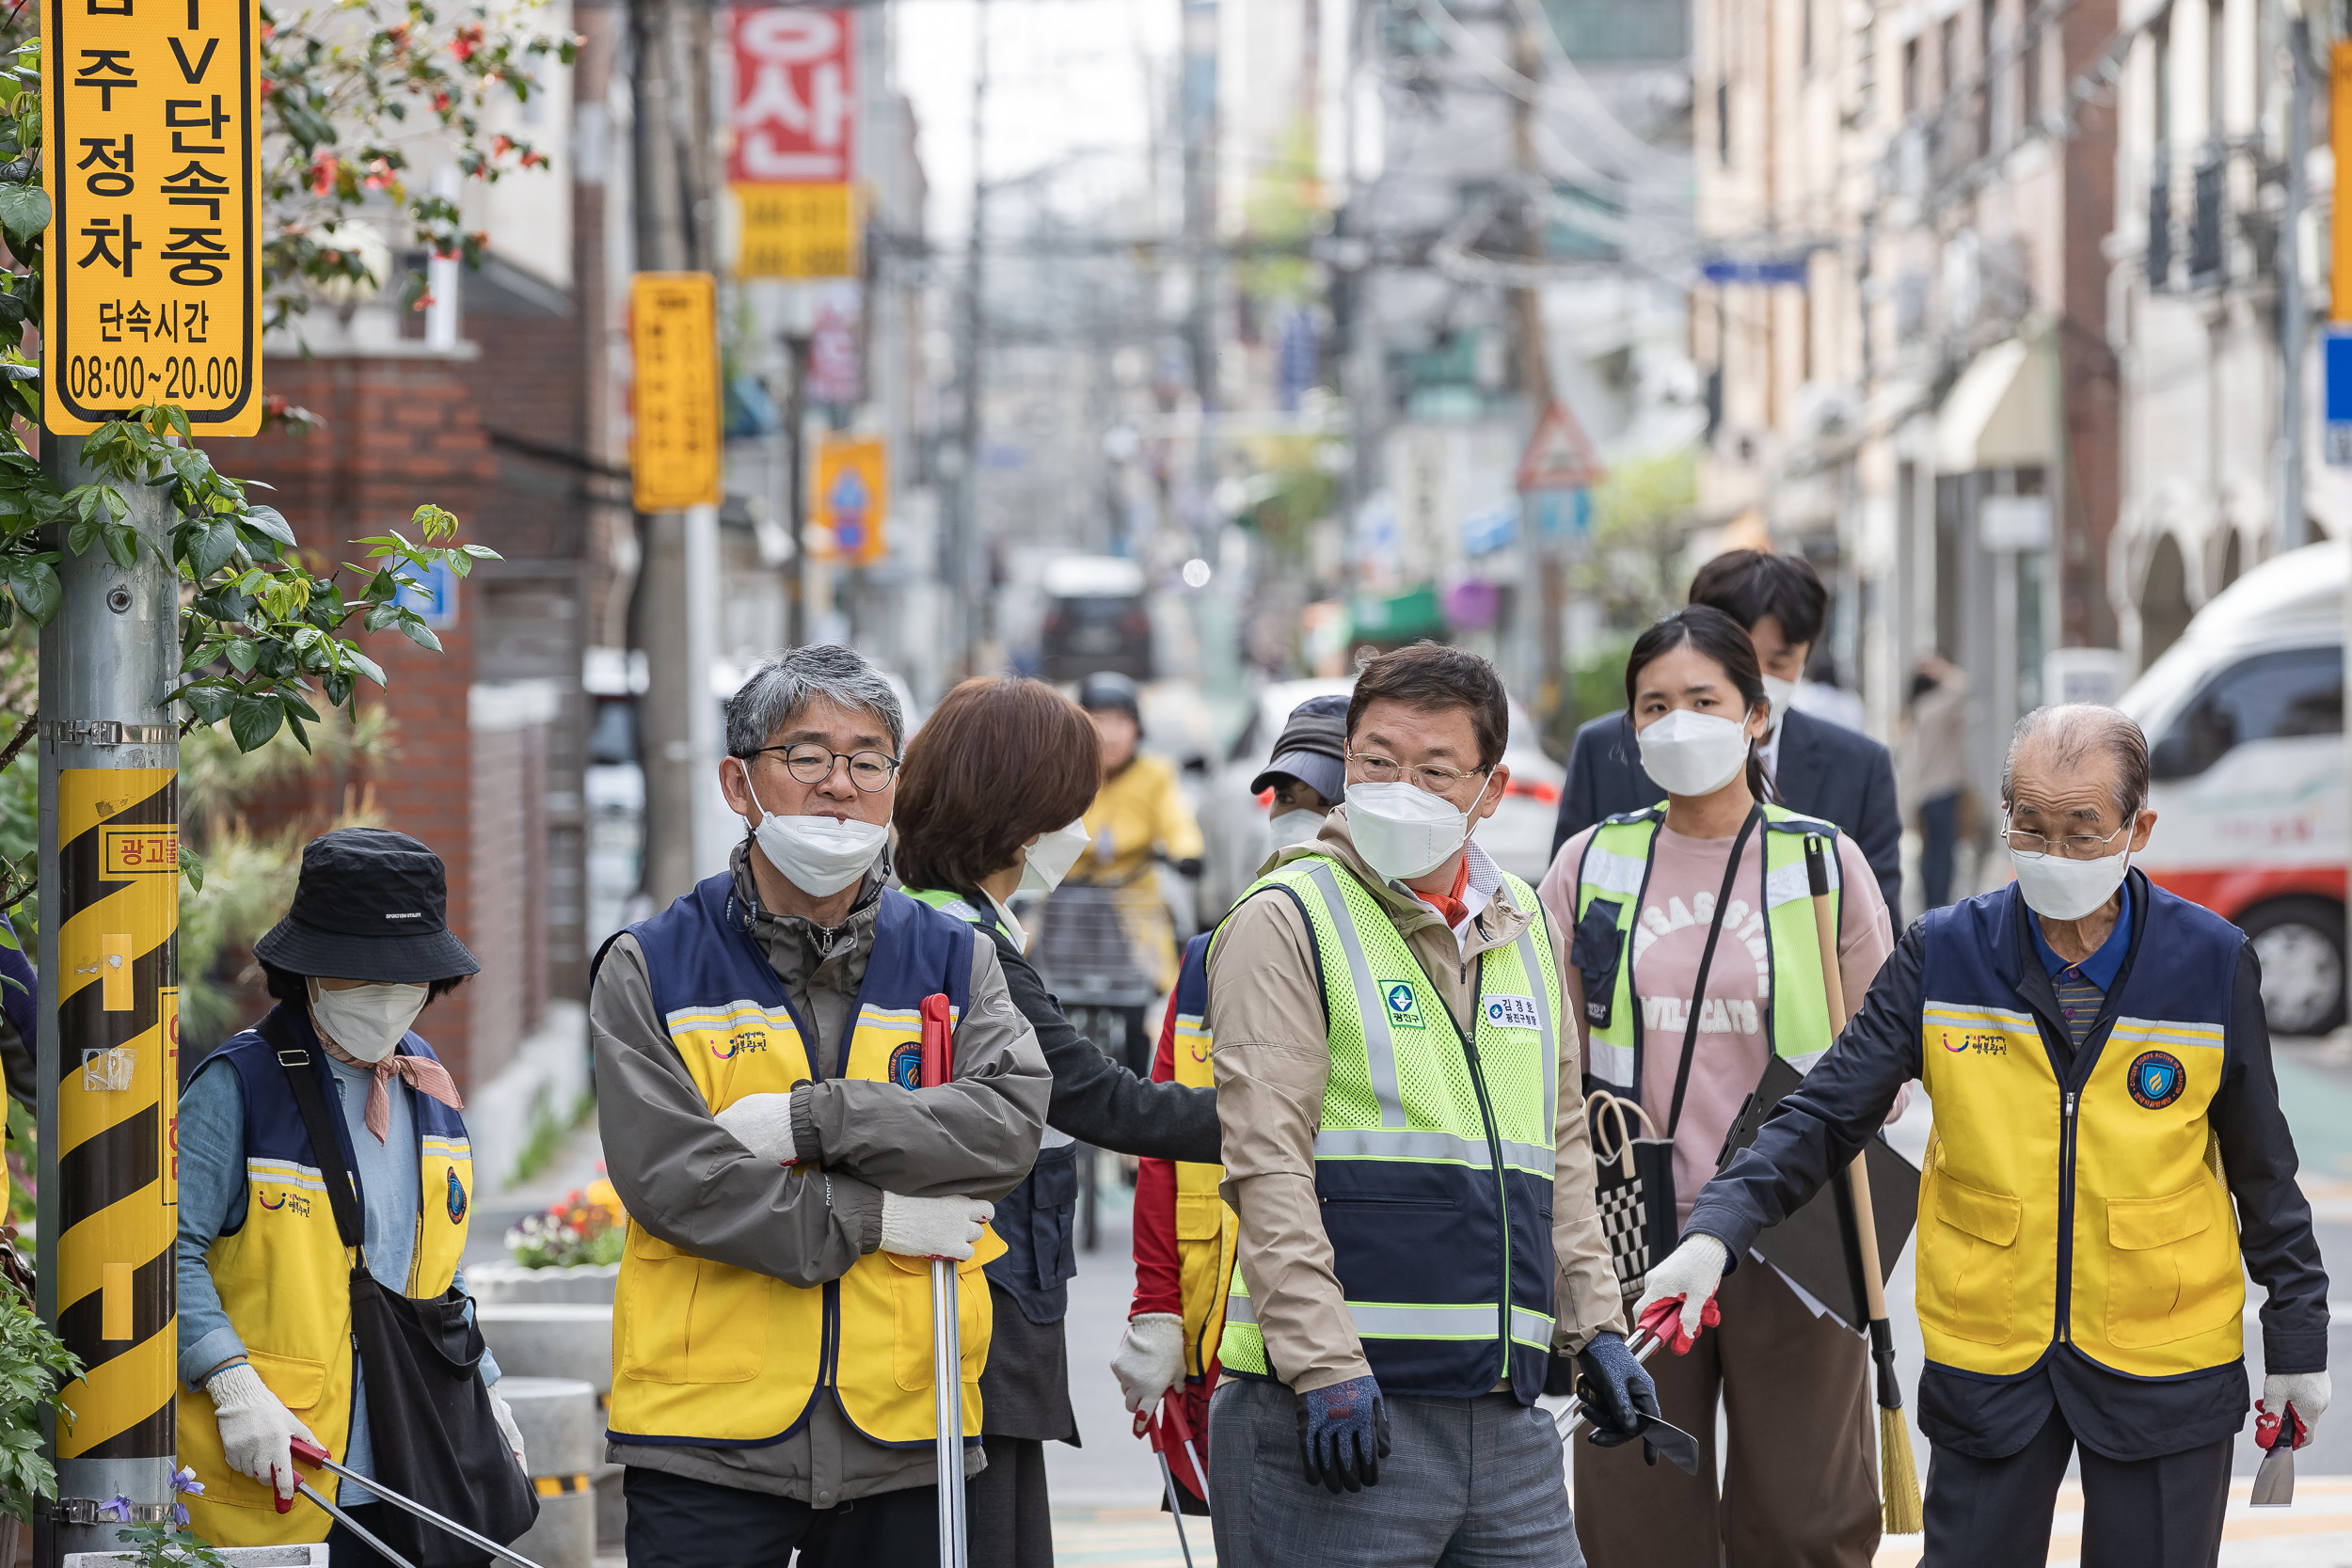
pixel 312 1454
pixel 938 1068
pixel 1151 1424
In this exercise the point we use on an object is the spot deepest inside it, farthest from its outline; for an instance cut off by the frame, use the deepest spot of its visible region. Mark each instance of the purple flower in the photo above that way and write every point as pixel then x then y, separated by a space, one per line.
pixel 180 1515
pixel 183 1480
pixel 117 1508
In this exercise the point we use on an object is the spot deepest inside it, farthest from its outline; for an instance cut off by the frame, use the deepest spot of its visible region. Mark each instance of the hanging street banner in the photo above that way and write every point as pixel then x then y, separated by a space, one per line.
pixel 673 338
pixel 852 495
pixel 152 156
pixel 793 115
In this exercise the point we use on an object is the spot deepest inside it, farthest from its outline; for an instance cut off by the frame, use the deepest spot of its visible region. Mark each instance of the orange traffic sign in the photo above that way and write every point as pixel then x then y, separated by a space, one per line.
pixel 1557 456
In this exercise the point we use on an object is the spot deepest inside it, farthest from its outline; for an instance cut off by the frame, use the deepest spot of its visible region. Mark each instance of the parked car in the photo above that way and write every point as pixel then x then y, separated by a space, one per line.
pixel 2244 720
pixel 1096 619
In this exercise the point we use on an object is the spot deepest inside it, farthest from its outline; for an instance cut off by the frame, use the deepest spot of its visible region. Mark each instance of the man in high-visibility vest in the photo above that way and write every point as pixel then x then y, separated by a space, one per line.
pixel 2109 1164
pixel 1412 1177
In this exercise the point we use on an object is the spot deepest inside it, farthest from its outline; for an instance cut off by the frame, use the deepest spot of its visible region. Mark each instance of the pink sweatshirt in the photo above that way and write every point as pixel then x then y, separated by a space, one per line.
pixel 1732 1050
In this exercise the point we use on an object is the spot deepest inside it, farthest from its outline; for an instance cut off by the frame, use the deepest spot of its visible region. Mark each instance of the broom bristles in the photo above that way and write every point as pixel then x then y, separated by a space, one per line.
pixel 1898 1479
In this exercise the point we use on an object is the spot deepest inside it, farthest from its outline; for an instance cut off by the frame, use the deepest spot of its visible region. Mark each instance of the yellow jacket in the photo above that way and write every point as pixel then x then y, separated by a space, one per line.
pixel 1141 811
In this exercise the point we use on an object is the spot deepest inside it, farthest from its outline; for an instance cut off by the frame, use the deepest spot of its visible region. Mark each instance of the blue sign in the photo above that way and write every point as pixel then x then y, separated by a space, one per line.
pixel 1763 270
pixel 2336 359
pixel 1562 513
pixel 432 592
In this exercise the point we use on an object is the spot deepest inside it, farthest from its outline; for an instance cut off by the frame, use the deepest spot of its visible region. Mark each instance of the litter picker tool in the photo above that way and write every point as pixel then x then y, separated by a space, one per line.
pixel 285 1505
pixel 310 1453
pixel 1899 1476
pixel 2274 1482
pixel 1680 1449
pixel 939 1066
pixel 1150 1424
pixel 1172 1413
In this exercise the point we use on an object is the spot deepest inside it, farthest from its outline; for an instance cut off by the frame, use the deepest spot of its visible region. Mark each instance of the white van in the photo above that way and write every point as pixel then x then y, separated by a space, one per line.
pixel 2245 719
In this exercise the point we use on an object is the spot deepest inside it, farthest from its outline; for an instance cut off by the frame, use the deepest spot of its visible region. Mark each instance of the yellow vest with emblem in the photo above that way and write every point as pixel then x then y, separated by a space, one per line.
pixel 1207 1228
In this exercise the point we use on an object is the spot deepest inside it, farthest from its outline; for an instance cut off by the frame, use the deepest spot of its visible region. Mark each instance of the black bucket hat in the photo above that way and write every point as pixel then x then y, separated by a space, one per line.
pixel 372 904
pixel 1312 749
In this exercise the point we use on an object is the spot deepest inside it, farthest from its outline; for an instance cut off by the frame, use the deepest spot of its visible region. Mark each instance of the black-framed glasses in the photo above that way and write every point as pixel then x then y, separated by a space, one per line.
pixel 812 764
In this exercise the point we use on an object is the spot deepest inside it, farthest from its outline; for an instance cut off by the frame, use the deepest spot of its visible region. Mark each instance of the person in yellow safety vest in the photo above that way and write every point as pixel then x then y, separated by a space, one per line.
pixel 1184 1231
pixel 1138 817
pixel 2109 1164
pixel 266 1351
pixel 787 1179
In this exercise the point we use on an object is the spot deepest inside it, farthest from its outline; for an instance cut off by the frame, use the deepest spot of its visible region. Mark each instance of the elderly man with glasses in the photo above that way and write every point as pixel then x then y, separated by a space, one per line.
pixel 787 1180
pixel 1406 1155
pixel 2110 1165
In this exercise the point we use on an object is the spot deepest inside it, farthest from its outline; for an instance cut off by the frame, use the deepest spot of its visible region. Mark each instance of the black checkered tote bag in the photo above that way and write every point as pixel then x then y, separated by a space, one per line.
pixel 1633 1180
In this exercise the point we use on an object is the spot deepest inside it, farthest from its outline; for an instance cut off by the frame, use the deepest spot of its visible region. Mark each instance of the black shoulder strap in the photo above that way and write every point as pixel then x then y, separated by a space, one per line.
pixel 342 1186
pixel 1707 960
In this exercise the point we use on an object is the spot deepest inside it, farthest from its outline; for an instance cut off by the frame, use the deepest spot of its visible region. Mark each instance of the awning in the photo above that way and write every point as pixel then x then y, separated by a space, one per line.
pixel 1998 413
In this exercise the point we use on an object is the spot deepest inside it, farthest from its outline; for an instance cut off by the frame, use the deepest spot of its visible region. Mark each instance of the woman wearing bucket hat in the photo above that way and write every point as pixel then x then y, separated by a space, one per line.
pixel 266 1324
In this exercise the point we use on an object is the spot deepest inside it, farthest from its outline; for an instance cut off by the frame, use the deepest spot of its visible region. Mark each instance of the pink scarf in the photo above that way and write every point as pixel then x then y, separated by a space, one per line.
pixel 422 1074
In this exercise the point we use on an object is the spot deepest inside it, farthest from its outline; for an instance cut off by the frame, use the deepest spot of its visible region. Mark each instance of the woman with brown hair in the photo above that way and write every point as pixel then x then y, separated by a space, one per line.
pixel 990 801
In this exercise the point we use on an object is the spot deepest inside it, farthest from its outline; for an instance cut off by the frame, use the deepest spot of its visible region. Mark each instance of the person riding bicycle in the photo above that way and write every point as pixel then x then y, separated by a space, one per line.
pixel 1139 815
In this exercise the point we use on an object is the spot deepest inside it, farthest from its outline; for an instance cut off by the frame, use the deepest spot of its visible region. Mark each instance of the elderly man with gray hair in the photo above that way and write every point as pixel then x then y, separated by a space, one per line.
pixel 2109 1163
pixel 787 1177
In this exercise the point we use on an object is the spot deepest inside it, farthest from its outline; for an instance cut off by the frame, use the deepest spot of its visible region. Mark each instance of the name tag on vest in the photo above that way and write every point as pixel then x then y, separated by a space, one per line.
pixel 1513 1012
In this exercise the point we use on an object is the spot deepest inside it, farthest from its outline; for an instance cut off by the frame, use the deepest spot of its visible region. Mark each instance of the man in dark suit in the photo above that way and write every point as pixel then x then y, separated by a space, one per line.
pixel 1815 767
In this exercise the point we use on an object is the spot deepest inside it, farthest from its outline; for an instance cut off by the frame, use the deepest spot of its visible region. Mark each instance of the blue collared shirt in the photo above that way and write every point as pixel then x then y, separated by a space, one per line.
pixel 2101 967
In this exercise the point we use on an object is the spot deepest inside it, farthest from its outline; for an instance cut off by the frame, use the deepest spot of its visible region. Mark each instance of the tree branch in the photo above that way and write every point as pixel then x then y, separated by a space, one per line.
pixel 24 732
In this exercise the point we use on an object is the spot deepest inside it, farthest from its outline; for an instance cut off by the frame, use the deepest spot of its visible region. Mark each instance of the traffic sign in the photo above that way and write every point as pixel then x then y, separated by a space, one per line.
pixel 151 154
pixel 673 332
pixel 853 498
pixel 1557 456
pixel 2336 362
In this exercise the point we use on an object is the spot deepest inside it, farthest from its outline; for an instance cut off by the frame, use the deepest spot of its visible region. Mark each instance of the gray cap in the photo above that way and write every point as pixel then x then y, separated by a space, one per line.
pixel 1312 749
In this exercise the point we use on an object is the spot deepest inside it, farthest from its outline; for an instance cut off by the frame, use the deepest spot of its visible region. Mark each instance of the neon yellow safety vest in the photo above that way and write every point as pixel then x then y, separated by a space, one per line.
pixel 1611 882
pixel 1434 1154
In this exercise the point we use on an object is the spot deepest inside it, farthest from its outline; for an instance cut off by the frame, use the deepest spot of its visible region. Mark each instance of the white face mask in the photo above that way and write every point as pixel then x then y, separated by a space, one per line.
pixel 817 854
pixel 1294 827
pixel 366 1022
pixel 1781 694
pixel 2058 889
pixel 1052 856
pixel 1693 753
pixel 1403 833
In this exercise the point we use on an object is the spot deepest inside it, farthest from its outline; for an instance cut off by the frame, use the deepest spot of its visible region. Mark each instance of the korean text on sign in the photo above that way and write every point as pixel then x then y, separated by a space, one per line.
pixel 794 112
pixel 152 161
pixel 674 458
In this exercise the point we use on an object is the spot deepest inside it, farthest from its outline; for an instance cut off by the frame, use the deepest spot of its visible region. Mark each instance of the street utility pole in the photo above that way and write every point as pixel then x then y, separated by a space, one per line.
pixel 1556 691
pixel 959 570
pixel 109 1029
pixel 2293 317
pixel 796 347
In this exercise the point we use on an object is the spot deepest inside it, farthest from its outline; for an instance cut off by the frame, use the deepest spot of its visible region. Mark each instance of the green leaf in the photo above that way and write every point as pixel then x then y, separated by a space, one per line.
pixel 213 548
pixel 242 655
pixel 252 720
pixel 210 703
pixel 23 212
pixel 365 665
pixel 192 866
pixel 36 589
pixel 418 632
pixel 269 520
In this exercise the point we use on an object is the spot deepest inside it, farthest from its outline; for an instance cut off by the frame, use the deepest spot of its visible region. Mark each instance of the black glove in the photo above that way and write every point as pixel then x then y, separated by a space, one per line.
pixel 1192 866
pixel 1343 1434
pixel 1617 1395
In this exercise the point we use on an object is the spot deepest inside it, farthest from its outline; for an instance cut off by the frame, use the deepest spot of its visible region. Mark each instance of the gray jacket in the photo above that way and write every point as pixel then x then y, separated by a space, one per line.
pixel 688 1181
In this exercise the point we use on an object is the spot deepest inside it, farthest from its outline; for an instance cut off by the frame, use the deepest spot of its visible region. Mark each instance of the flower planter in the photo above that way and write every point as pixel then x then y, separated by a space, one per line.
pixel 583 1284
pixel 312 1555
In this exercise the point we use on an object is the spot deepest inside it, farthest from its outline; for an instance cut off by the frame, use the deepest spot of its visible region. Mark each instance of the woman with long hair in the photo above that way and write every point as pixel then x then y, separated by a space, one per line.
pixel 991 801
pixel 1694 961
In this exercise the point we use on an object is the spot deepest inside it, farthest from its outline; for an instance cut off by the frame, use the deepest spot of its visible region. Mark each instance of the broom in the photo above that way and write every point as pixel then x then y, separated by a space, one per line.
pixel 1899 1476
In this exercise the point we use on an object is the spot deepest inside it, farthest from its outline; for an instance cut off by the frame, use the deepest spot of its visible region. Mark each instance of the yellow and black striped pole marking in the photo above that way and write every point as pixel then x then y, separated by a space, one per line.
pixel 116 989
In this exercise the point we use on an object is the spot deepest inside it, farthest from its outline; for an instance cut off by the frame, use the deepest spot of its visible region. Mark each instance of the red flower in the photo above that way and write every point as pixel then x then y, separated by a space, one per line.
pixel 323 169
pixel 501 145
pixel 440 103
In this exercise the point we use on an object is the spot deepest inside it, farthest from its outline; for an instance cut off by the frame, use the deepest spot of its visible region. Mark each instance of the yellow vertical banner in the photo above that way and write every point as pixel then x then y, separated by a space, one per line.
pixel 2339 142
pixel 673 338
pixel 116 996
pixel 851 498
pixel 151 153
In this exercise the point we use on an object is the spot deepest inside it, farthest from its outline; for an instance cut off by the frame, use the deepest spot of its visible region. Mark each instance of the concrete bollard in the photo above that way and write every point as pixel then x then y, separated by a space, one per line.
pixel 311 1556
pixel 612 1508
pixel 562 1340
pixel 585 1284
pixel 562 1428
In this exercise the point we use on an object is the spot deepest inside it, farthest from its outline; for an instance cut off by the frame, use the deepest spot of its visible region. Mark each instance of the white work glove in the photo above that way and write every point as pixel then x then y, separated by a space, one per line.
pixel 934 1227
pixel 1693 1271
pixel 256 1428
pixel 1151 1358
pixel 513 1433
pixel 2306 1391
pixel 762 1124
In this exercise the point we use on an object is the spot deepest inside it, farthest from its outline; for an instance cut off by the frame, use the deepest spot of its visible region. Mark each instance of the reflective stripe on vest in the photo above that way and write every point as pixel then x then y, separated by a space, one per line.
pixel 1616 867
pixel 709 1356
pixel 2131 1256
pixel 1206 1228
pixel 1433 1162
pixel 283 1278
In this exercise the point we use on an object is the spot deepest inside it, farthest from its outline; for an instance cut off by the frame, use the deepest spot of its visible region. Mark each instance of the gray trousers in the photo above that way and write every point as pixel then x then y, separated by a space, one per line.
pixel 1470 1483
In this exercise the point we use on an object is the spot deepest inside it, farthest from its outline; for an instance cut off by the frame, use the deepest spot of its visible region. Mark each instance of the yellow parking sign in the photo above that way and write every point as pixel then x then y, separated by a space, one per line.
pixel 852 497
pixel 151 159
pixel 673 336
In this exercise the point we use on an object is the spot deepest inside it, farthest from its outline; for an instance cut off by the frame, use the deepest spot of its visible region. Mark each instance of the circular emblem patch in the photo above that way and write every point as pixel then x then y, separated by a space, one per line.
pixel 456 1198
pixel 2155 1079
pixel 1400 998
pixel 906 1065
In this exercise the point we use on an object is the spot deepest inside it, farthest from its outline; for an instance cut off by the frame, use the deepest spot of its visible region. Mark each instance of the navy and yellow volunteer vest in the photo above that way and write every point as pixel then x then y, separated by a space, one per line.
pixel 1206 1228
pixel 706 1354
pixel 283 1275
pixel 1434 1154
pixel 1612 880
pixel 1037 1220
pixel 2083 1205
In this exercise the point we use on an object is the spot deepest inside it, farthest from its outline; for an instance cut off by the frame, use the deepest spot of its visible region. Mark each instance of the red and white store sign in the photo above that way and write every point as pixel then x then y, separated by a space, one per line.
pixel 795 112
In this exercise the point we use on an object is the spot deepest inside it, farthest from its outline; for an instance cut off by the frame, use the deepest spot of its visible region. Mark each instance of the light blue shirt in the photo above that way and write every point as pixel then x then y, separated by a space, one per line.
pixel 212 1200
